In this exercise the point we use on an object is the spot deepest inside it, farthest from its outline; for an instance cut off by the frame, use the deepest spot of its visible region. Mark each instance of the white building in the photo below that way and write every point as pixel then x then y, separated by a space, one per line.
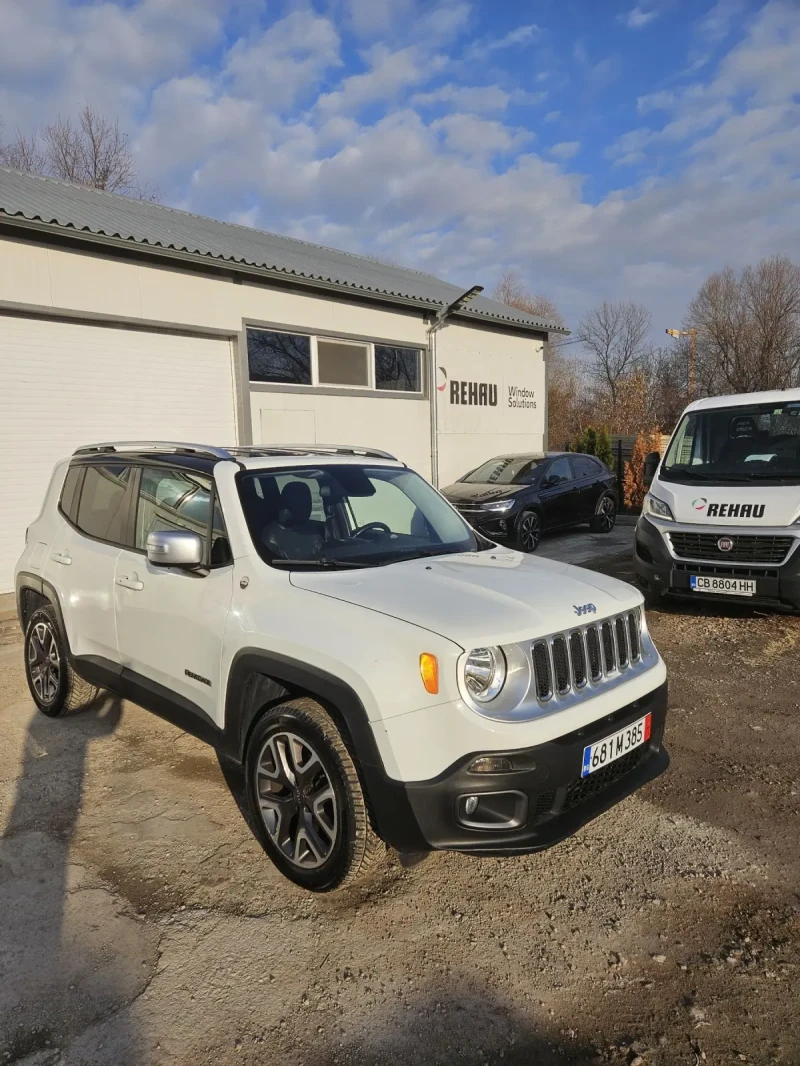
pixel 128 320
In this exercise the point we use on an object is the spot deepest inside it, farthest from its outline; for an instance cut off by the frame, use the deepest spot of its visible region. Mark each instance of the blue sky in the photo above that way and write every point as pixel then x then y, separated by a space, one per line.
pixel 603 149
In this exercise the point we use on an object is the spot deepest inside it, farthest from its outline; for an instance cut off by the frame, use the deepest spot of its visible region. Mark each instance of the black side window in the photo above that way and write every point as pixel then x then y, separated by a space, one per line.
pixel 584 466
pixel 103 507
pixel 180 499
pixel 70 492
pixel 560 471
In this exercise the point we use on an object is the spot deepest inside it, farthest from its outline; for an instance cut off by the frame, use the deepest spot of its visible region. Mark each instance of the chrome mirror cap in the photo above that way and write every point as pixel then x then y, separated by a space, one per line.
pixel 175 547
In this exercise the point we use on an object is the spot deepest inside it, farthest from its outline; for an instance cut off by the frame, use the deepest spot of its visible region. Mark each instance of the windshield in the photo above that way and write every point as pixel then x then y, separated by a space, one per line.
pixel 346 516
pixel 741 444
pixel 505 470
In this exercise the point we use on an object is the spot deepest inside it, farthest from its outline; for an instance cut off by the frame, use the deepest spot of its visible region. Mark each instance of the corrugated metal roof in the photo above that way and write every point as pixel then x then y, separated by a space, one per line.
pixel 108 215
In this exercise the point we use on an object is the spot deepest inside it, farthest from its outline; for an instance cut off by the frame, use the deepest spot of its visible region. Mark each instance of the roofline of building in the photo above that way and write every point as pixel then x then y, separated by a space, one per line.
pixel 37 226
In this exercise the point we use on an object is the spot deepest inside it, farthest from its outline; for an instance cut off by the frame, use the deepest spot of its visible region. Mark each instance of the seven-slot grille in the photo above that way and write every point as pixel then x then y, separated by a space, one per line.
pixel 566 662
pixel 747 548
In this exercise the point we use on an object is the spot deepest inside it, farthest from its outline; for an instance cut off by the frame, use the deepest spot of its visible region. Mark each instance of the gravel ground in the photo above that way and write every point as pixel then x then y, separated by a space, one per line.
pixel 139 922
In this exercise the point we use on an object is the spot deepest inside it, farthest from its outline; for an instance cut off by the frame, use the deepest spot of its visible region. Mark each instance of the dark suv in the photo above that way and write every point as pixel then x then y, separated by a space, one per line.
pixel 514 498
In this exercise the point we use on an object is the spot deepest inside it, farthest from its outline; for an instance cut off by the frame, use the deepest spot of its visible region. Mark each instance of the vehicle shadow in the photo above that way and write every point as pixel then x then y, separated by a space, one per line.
pixel 58 948
pixel 458 1023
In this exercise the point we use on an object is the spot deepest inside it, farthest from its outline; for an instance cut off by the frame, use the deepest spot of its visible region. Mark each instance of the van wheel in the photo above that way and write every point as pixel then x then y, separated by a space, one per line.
pixel 605 516
pixel 528 531
pixel 306 799
pixel 53 683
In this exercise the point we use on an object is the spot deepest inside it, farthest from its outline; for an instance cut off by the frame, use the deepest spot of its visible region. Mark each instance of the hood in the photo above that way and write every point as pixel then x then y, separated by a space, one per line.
pixel 491 597
pixel 730 505
pixel 478 491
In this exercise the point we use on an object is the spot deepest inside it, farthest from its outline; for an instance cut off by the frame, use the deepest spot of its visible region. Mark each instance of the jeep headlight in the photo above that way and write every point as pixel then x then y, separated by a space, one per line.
pixel 485 673
pixel 654 506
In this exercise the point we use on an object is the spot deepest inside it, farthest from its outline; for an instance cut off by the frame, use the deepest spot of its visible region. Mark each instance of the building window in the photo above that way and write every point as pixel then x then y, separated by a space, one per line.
pixel 284 358
pixel 342 363
pixel 397 369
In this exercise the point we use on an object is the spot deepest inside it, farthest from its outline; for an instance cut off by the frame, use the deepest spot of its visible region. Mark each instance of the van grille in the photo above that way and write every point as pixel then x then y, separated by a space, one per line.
pixel 746 548
pixel 565 663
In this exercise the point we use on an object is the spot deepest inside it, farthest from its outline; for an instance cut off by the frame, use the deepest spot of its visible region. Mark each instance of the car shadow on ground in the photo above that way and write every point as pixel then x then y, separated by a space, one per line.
pixel 57 978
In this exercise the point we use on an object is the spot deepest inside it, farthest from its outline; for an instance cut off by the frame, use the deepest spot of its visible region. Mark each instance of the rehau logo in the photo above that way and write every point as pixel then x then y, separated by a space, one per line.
pixel 735 510
pixel 473 393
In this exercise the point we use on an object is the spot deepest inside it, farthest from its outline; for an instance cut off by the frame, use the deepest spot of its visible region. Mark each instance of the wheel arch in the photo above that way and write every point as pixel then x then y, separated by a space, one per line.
pixel 33 591
pixel 259 680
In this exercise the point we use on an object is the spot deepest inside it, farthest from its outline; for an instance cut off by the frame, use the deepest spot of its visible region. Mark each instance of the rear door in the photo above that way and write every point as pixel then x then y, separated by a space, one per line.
pixel 82 560
pixel 559 494
pixel 587 478
pixel 170 622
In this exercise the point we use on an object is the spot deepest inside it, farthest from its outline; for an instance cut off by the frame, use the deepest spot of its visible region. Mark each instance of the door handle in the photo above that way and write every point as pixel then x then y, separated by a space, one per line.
pixel 131 583
pixel 61 557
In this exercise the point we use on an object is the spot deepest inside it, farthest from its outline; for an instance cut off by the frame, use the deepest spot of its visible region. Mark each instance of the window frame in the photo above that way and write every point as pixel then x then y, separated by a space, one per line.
pixel 214 501
pixel 128 527
pixel 423 353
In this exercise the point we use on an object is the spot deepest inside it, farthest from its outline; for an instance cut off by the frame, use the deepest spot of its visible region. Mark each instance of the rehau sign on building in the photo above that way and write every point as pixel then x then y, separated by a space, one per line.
pixel 121 319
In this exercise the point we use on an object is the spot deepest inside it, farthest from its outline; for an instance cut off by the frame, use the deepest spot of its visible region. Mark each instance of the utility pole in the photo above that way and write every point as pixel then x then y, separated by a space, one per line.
pixel 691 333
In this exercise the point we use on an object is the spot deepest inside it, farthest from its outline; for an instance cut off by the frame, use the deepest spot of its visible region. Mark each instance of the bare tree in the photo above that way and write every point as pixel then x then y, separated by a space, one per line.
pixel 93 151
pixel 749 327
pixel 510 291
pixel 615 339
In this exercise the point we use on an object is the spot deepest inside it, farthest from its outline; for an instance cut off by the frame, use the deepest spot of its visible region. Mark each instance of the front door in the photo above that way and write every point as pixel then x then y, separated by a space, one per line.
pixel 559 494
pixel 170 622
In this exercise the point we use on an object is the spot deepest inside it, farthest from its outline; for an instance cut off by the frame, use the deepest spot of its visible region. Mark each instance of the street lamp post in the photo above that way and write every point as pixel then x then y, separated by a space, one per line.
pixel 692 335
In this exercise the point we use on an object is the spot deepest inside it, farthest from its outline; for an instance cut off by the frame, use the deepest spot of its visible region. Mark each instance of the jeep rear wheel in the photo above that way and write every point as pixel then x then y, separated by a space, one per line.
pixel 53 683
pixel 306 799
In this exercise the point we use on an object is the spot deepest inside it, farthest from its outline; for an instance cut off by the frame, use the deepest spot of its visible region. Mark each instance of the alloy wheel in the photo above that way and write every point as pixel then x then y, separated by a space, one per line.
pixel 296 800
pixel 530 532
pixel 606 514
pixel 44 662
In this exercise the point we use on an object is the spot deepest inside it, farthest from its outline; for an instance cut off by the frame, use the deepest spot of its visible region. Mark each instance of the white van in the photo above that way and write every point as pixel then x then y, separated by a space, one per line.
pixel 722 515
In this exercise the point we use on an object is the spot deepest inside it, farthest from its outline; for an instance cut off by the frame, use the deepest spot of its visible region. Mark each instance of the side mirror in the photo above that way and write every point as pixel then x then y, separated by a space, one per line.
pixel 175 547
pixel 651 462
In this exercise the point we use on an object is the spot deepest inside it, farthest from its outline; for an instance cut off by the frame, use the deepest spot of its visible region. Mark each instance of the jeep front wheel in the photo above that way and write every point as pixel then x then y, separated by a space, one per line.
pixel 53 683
pixel 306 799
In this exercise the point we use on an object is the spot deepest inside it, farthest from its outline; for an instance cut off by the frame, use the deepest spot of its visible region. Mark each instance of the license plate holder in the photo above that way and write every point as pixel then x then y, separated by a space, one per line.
pixel 722 586
pixel 609 749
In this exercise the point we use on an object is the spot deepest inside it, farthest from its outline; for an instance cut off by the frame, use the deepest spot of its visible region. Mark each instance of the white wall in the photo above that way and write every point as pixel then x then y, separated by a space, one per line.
pixel 401 427
pixel 504 364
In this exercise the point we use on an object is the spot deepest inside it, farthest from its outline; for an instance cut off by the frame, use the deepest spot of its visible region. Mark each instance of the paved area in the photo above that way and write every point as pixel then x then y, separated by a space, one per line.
pixel 579 546
pixel 140 924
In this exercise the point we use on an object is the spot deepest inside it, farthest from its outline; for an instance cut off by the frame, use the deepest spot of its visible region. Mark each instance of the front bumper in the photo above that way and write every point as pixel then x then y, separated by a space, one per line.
pixel 553 800
pixel 659 572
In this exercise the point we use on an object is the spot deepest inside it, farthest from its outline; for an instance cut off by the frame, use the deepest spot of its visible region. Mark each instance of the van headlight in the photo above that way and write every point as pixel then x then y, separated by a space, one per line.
pixel 654 506
pixel 485 673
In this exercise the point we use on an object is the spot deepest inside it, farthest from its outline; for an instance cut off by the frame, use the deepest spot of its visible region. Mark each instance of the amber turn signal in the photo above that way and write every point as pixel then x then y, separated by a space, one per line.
pixel 429 670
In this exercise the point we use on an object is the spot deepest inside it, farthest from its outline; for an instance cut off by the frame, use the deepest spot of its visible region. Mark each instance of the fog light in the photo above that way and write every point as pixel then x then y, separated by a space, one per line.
pixel 470 804
pixel 491 764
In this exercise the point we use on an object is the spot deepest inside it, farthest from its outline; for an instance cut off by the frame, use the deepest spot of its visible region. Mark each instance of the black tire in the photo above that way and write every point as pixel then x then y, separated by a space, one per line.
pixel 605 516
pixel 53 684
pixel 527 531
pixel 320 842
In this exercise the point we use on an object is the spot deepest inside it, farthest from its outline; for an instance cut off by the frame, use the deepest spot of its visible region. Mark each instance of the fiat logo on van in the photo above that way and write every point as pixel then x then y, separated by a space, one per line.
pixel 725 544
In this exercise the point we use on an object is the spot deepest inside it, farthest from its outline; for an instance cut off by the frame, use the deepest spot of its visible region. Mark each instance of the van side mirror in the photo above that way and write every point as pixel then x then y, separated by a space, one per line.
pixel 175 547
pixel 651 462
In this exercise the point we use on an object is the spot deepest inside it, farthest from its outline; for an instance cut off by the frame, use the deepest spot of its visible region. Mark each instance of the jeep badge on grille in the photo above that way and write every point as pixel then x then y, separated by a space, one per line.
pixel 585 608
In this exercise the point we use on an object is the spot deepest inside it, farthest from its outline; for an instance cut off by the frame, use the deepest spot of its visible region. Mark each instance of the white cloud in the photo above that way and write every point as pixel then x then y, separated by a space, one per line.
pixel 390 73
pixel 371 18
pixel 660 101
pixel 469 135
pixel 552 116
pixel 603 73
pixel 519 37
pixel 479 98
pixel 566 149
pixel 638 17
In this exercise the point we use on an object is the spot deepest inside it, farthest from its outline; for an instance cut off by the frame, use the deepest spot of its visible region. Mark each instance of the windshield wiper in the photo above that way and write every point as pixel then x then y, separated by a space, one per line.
pixel 787 475
pixel 321 564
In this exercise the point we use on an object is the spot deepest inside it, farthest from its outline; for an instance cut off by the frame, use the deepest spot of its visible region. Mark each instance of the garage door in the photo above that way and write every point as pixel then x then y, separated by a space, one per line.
pixel 63 384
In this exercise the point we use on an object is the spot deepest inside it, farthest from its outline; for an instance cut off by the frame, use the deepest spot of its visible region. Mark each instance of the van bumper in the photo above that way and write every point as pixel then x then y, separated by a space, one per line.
pixel 658 572
pixel 546 801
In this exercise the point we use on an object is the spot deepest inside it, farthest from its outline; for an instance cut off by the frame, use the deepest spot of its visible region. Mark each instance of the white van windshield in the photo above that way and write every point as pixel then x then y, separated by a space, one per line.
pixel 738 444
pixel 338 516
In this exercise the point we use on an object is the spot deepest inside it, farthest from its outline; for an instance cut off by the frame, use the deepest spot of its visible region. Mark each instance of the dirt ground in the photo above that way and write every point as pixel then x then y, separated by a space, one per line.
pixel 140 923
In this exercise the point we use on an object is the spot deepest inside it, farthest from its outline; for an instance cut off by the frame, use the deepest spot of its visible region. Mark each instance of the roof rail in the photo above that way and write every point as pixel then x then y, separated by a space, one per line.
pixel 234 452
pixel 311 449
pixel 154 446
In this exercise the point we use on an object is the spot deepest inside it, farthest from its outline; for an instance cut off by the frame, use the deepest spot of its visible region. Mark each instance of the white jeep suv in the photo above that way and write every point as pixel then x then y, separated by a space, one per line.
pixel 384 674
